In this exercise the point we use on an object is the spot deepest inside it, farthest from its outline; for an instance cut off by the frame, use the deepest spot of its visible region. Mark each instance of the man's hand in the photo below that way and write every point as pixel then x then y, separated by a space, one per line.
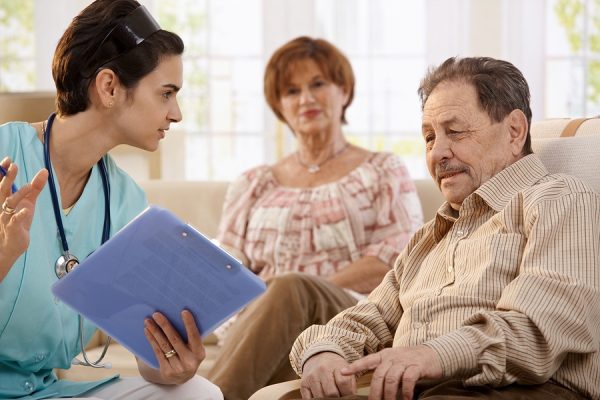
pixel 321 377
pixel 395 368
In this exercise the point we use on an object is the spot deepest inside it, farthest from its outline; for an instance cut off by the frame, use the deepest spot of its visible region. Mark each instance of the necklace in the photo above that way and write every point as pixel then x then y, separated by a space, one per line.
pixel 314 168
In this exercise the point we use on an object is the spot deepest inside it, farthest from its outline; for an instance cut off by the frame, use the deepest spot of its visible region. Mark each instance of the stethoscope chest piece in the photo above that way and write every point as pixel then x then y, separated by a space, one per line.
pixel 65 264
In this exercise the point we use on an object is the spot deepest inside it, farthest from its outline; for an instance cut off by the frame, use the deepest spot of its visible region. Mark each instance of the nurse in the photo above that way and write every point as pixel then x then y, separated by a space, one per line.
pixel 117 75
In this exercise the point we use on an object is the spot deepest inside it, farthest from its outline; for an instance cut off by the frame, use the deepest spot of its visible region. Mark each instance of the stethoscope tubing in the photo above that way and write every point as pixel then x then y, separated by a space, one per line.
pixel 54 195
pixel 63 237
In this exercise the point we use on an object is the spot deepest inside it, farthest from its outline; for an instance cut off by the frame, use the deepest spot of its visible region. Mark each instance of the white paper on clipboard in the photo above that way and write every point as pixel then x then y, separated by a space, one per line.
pixel 157 263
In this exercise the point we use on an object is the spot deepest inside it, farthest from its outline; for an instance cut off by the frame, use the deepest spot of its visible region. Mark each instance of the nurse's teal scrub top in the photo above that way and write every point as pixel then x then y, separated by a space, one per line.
pixel 37 332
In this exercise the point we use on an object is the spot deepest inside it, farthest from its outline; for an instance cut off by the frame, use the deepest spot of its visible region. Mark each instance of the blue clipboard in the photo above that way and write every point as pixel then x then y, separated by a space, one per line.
pixel 157 263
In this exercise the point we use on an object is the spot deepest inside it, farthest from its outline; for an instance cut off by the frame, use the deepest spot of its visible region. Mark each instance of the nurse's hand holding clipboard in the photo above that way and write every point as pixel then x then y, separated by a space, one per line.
pixel 16 213
pixel 178 361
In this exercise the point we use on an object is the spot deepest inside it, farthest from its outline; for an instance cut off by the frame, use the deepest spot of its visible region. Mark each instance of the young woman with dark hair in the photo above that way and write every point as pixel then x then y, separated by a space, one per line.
pixel 117 75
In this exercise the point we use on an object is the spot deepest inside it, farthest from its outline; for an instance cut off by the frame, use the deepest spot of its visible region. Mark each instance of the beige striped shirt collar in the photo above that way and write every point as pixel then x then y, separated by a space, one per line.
pixel 495 193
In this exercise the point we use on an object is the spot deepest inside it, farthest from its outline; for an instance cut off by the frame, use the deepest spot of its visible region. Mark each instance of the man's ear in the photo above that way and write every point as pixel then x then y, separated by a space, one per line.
pixel 518 128
pixel 107 87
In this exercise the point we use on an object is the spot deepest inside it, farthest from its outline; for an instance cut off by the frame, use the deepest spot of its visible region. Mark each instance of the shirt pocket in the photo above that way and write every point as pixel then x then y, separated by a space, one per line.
pixel 485 265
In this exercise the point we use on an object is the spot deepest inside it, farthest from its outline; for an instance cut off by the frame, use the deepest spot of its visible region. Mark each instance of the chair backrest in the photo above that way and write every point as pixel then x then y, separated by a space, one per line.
pixel 570 146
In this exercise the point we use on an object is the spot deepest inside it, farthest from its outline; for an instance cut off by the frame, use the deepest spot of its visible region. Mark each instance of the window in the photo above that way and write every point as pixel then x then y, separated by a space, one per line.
pixel 17 61
pixel 222 96
pixel 573 58
pixel 228 125
pixel 385 42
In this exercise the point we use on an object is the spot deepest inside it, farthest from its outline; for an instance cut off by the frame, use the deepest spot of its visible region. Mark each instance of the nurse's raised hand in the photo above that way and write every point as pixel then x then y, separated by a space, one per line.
pixel 16 214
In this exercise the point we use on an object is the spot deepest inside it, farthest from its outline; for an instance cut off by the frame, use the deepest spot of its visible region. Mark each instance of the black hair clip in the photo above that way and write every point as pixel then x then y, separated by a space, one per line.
pixel 132 30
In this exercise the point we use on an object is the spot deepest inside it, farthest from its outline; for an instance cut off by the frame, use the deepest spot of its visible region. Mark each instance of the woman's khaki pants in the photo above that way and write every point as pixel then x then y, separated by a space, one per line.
pixel 257 347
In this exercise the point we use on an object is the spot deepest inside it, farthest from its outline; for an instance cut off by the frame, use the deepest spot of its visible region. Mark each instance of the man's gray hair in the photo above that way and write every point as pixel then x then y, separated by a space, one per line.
pixel 500 86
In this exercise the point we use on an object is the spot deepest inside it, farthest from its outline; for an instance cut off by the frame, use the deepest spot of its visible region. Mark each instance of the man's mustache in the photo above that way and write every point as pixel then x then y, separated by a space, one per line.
pixel 443 170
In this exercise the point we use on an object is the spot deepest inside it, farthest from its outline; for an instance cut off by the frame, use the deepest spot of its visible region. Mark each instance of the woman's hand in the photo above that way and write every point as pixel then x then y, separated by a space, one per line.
pixel 178 361
pixel 16 214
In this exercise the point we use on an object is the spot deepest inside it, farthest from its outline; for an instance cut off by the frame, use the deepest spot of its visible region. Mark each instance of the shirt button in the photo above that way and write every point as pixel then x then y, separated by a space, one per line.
pixel 438 292
pixel 460 233
pixel 39 357
pixel 450 269
pixel 417 325
pixel 28 386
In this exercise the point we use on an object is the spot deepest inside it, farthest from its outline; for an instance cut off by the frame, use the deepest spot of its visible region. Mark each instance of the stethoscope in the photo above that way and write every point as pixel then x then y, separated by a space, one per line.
pixel 67 261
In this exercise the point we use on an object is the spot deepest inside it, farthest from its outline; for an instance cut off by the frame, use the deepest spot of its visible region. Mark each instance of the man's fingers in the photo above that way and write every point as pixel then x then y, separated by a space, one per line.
pixel 306 393
pixel 334 385
pixel 312 388
pixel 321 376
pixel 409 381
pixel 329 387
pixel 391 381
pixel 345 384
pixel 378 380
pixel 369 362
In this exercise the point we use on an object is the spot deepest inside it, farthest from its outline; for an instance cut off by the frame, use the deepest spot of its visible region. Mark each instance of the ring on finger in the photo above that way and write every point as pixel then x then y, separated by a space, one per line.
pixel 170 353
pixel 7 209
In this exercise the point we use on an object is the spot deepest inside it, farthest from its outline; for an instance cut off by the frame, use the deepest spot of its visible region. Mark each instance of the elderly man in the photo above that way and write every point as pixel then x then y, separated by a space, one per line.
pixel 499 295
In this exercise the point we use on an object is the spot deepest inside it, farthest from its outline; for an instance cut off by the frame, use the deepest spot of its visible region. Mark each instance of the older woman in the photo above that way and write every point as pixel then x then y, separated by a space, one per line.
pixel 322 226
